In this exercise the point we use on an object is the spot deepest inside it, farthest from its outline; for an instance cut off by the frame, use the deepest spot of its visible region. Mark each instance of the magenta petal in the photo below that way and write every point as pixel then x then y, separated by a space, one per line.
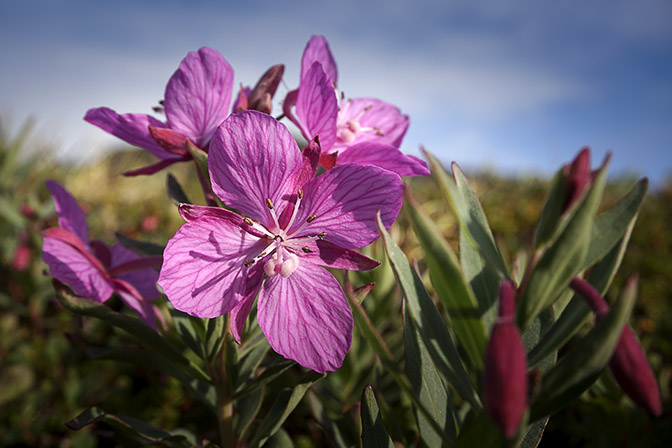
pixel 384 156
pixel 310 160
pixel 317 107
pixel 68 265
pixel 198 95
pixel 305 317
pixel 253 157
pixel 143 280
pixel 192 212
pixel 371 113
pixel 317 50
pixel 131 128
pixel 345 200
pixel 324 253
pixel 204 271
pixel 238 315
pixel 70 214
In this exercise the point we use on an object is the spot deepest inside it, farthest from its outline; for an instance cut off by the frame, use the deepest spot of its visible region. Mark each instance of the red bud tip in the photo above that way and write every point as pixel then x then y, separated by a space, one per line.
pixel 578 177
pixel 507 300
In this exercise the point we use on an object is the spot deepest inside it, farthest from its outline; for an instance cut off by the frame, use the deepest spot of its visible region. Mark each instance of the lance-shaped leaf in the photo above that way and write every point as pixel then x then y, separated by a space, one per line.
pixel 564 257
pixel 374 434
pixel 481 431
pixel 484 280
pixel 214 336
pixel 129 425
pixel 429 389
pixel 285 402
pixel 149 360
pixel 469 212
pixel 576 312
pixel 140 247
pixel 247 409
pixel 175 191
pixel 550 217
pixel 426 317
pixel 451 287
pixel 585 361
pixel 141 332
pixel 611 225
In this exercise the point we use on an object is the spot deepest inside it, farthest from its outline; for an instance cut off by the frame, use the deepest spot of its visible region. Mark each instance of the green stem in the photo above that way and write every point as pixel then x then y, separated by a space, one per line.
pixel 224 400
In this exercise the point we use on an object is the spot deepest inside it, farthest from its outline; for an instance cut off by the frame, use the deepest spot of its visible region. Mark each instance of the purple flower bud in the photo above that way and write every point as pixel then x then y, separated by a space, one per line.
pixel 578 177
pixel 505 376
pixel 628 364
pixel 260 97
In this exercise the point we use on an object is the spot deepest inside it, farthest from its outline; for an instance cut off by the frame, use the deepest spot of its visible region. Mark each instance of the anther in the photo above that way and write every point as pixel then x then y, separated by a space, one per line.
pixel 249 263
pixel 311 218
pixel 367 108
pixel 322 235
pixel 300 193
pixel 306 249
pixel 269 203
pixel 248 221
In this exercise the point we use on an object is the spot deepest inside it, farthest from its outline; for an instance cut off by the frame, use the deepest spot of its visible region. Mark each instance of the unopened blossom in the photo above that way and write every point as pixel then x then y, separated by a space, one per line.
pixel 629 364
pixel 196 100
pixel 259 98
pixel 292 225
pixel 505 374
pixel 92 269
pixel 359 130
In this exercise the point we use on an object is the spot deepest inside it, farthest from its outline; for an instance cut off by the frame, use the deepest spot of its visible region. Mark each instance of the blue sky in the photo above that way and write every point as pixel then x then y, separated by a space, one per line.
pixel 516 86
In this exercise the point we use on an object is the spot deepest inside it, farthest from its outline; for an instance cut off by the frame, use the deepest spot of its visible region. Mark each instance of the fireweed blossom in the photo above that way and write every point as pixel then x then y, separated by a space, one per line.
pixel 294 224
pixel 359 130
pixel 197 99
pixel 92 269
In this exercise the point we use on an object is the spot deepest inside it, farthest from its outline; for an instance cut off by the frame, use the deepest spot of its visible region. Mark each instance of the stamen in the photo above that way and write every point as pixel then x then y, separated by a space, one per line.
pixel 248 221
pixel 322 235
pixel 306 249
pixel 299 193
pixel 311 218
pixel 299 196
pixel 249 263
pixel 269 203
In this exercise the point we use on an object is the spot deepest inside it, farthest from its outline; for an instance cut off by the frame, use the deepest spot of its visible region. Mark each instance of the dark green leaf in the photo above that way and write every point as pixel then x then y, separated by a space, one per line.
pixel 550 216
pixel 268 375
pixel 184 326
pixel 451 286
pixel 374 434
pixel 136 328
pixel 480 431
pixel 135 427
pixel 214 336
pixel 247 409
pixel 140 247
pixel 285 402
pixel 533 434
pixel 429 323
pixel 175 191
pixel 584 362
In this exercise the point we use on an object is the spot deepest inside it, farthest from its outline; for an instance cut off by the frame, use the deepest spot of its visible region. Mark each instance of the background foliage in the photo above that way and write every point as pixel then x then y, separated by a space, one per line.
pixel 48 368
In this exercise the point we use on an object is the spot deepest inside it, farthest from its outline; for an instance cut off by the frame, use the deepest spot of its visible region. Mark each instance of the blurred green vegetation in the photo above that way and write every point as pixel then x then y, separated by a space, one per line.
pixel 47 377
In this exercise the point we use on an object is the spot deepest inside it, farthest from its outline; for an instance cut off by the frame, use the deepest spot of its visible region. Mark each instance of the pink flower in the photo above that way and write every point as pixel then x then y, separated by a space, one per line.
pixel 197 100
pixel 360 130
pixel 93 270
pixel 294 223
pixel 505 375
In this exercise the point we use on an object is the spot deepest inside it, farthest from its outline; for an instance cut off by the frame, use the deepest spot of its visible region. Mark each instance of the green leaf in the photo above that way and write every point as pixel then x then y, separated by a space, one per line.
pixel 201 159
pixel 374 434
pixel 550 216
pixel 533 434
pixel 247 409
pixel 480 431
pixel 321 415
pixel 136 328
pixel 536 331
pixel 214 336
pixel 483 280
pixel 427 319
pixel 469 212
pixel 149 360
pixel 269 374
pixel 231 360
pixel 140 247
pixel 609 228
pixel 184 326
pixel 451 287
pixel 429 389
pixel 134 427
pixel 576 313
pixel 175 191
pixel 285 402
pixel 563 258
pixel 584 362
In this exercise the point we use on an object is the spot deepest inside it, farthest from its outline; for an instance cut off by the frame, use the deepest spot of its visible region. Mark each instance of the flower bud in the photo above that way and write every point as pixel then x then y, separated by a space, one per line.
pixel 505 375
pixel 628 364
pixel 578 177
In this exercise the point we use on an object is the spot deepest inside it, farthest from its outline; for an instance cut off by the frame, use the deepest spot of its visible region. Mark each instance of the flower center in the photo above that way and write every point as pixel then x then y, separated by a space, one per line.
pixel 349 127
pixel 283 259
